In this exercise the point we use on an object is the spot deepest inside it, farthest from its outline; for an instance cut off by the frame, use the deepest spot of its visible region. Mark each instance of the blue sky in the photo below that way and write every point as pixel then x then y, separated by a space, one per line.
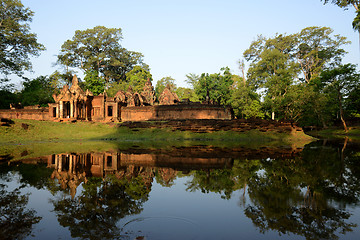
pixel 178 37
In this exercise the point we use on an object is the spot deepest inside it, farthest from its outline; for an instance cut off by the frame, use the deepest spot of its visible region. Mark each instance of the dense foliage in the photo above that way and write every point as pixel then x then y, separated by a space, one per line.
pixel 99 49
pixel 17 43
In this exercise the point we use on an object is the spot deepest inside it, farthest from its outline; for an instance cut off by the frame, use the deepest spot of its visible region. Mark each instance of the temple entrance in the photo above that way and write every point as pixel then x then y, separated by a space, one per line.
pixel 137 100
pixel 54 111
pixel 80 110
pixel 66 110
pixel 110 111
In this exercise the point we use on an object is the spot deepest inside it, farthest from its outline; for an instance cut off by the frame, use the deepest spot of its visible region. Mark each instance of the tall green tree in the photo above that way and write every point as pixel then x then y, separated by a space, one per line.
pixel 286 68
pixel 186 93
pixel 94 83
pixel 58 79
pixel 7 94
pixel 216 87
pixel 17 43
pixel 317 48
pixel 272 67
pixel 244 101
pixel 341 80
pixel 137 77
pixel 192 79
pixel 162 83
pixel 99 49
pixel 37 91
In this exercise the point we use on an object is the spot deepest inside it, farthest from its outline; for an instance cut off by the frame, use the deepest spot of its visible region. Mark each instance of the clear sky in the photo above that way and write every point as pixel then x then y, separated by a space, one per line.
pixel 178 37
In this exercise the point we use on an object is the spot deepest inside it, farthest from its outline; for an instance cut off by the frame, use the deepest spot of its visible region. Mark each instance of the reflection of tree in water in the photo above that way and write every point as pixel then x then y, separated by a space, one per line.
pixel 297 195
pixel 213 180
pixel 278 205
pixel 94 213
pixel 16 221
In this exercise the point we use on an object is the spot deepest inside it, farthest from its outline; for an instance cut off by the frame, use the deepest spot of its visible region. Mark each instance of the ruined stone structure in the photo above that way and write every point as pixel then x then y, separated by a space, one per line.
pixel 73 103
pixel 167 97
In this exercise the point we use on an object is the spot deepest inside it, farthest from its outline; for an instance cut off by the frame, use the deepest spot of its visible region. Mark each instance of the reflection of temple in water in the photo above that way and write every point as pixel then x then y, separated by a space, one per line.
pixel 71 169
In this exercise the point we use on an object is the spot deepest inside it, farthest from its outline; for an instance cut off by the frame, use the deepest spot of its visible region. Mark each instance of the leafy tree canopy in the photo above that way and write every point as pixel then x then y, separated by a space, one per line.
pixel 278 63
pixel 162 83
pixel 340 80
pixel 343 3
pixel 215 88
pixel 137 77
pixel 94 83
pixel 99 49
pixel 37 92
pixel 17 43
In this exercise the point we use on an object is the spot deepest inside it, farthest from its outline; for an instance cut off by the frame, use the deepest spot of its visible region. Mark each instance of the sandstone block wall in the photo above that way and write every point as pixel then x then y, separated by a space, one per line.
pixel 137 113
pixel 214 125
pixel 34 114
pixel 175 112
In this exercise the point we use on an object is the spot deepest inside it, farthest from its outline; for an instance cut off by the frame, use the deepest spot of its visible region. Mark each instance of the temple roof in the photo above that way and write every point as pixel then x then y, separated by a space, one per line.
pixel 73 93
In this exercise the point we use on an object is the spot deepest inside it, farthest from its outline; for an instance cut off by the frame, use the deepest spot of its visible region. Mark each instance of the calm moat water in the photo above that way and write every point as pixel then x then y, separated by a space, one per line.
pixel 198 192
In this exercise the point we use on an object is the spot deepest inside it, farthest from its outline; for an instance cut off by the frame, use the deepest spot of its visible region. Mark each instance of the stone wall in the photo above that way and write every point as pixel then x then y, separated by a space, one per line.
pixel 214 125
pixel 175 112
pixel 34 114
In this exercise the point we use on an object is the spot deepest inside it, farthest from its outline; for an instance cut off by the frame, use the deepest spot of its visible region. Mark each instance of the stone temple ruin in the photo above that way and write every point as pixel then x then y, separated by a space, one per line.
pixel 73 103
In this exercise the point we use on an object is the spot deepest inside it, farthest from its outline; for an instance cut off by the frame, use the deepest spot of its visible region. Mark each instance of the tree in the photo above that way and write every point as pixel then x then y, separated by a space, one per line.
pixel 215 88
pixel 272 67
pixel 17 43
pixel 340 80
pixel 244 101
pixel 316 48
pixel 99 49
pixel 7 94
pixel 352 103
pixel 186 93
pixel 162 83
pixel 285 69
pixel 94 83
pixel 121 62
pixel 192 79
pixel 37 92
pixel 58 79
pixel 137 77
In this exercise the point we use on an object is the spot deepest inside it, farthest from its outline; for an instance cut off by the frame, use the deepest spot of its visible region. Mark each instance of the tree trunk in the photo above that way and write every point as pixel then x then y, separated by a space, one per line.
pixel 342 112
pixel 272 115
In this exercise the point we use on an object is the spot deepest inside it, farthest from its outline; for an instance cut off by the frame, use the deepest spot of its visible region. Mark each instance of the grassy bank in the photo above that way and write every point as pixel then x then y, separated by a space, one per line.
pixel 337 133
pixel 44 138
pixel 46 131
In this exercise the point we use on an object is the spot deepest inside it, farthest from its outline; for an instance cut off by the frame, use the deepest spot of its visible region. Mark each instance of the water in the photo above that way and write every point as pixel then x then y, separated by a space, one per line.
pixel 198 192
